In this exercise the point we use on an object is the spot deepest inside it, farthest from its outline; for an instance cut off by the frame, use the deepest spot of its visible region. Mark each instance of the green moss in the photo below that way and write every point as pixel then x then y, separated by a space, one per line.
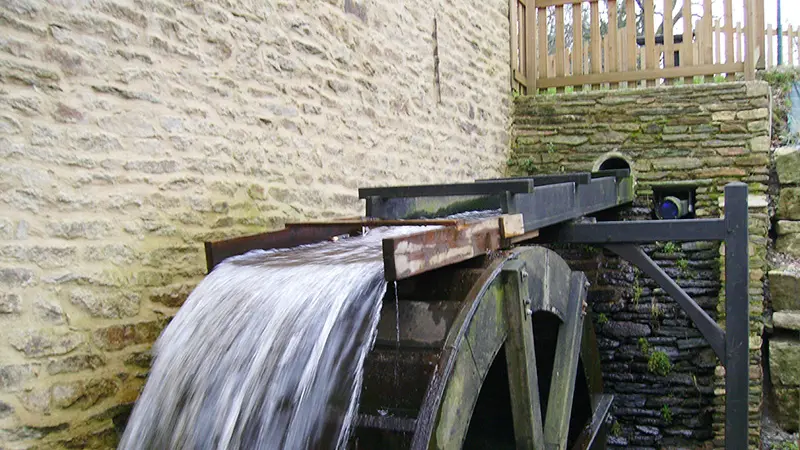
pixel 616 429
pixel 682 264
pixel 644 346
pixel 666 414
pixel 659 363
pixel 670 248
pixel 602 319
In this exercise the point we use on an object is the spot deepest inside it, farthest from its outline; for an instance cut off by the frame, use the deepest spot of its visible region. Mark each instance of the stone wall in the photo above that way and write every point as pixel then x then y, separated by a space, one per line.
pixel 133 130
pixel 669 387
pixel 784 285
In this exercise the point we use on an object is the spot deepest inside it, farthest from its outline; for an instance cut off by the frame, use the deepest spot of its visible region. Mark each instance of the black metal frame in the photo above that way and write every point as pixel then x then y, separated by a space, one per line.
pixel 554 200
pixel 730 345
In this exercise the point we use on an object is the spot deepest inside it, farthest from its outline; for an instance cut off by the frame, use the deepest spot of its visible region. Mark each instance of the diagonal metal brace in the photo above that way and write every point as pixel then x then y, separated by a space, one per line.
pixel 711 331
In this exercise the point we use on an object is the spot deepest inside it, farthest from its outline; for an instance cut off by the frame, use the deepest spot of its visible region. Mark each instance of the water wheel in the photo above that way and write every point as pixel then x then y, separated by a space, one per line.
pixel 492 353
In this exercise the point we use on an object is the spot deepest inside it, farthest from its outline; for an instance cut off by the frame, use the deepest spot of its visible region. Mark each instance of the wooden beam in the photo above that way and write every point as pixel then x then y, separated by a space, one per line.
pixel 565 366
pixel 531 62
pixel 683 71
pixel 523 379
pixel 405 256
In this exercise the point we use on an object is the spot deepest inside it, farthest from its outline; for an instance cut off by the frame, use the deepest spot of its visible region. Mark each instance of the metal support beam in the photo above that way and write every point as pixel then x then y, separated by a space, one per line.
pixel 639 232
pixel 711 331
pixel 737 317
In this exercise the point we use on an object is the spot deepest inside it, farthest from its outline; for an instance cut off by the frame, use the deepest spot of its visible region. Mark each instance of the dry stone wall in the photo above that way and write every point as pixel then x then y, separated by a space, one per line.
pixel 133 130
pixel 669 385
pixel 784 286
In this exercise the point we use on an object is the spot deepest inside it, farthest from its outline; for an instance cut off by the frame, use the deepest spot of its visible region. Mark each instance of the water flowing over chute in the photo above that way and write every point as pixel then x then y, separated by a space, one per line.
pixel 267 352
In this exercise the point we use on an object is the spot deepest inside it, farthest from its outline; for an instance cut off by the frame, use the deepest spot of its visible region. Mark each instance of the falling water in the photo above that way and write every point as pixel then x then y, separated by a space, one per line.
pixel 267 351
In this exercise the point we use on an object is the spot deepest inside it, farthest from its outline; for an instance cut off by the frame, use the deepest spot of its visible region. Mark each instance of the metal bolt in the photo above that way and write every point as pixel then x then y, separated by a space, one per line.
pixel 527 302
pixel 524 274
pixel 528 311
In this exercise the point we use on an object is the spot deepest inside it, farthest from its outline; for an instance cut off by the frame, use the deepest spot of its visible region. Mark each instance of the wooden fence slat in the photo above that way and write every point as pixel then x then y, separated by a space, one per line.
pixel 531 61
pixel 669 44
pixel 544 69
pixel 675 72
pixel 577 40
pixel 650 37
pixel 738 34
pixel 687 57
pixel 728 8
pixel 515 38
pixel 750 55
pixel 595 38
pixel 613 23
pixel 708 38
pixel 717 42
pixel 758 5
pixel 790 59
pixel 770 36
pixel 630 35
pixel 559 36
pixel 523 43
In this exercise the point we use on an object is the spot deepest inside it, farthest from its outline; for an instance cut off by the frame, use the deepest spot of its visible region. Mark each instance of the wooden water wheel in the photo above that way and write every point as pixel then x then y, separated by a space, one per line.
pixel 495 352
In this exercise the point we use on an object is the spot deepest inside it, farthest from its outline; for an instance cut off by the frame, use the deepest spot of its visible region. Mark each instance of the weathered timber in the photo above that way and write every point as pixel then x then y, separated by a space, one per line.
pixel 565 366
pixel 523 379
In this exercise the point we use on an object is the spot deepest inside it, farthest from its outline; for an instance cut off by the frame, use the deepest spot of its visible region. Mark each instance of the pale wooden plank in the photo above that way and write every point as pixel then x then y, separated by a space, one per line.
pixel 523 379
pixel 770 37
pixel 687 57
pixel 565 366
pixel 577 40
pixel 708 39
pixel 674 72
pixel 650 38
pixel 544 71
pixel 515 33
pixel 595 38
pixel 790 59
pixel 630 36
pixel 409 255
pixel 669 44
pixel 717 42
pixel 559 36
pixel 728 14
pixel 546 3
pixel 531 62
pixel 758 5
pixel 612 40
pixel 751 55
pixel 739 57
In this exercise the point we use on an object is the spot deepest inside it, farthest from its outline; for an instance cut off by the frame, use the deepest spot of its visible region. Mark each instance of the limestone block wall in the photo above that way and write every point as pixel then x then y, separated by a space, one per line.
pixel 133 130
pixel 784 283
pixel 669 387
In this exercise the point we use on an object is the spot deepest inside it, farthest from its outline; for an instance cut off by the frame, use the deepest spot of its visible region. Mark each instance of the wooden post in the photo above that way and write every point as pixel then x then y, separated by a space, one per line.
pixel 770 34
pixel 708 37
pixel 717 42
pixel 531 62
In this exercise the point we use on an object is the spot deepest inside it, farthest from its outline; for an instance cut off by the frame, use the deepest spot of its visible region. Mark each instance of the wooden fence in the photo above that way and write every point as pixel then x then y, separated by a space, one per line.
pixel 546 53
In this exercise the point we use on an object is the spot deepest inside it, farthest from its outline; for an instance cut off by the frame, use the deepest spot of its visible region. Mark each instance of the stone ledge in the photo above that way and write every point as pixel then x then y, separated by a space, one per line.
pixel 789 320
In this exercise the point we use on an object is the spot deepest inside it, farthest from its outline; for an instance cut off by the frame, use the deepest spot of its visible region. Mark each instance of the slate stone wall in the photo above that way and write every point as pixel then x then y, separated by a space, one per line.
pixel 669 386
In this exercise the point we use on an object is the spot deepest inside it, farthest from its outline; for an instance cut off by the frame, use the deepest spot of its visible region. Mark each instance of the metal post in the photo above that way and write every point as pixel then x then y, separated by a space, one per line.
pixel 737 316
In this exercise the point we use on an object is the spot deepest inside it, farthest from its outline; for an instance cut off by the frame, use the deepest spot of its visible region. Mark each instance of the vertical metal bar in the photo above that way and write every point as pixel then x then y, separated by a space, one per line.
pixel 737 316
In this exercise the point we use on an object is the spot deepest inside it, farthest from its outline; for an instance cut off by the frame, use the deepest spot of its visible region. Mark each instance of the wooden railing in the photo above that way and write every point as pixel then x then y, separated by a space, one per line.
pixel 565 43
pixel 791 46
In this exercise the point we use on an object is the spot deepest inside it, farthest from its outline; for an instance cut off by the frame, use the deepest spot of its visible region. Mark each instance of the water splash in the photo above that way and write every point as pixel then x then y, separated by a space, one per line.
pixel 267 351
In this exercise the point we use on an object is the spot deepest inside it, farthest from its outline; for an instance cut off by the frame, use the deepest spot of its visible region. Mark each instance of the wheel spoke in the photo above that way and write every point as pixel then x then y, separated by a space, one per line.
pixel 565 366
pixel 523 380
